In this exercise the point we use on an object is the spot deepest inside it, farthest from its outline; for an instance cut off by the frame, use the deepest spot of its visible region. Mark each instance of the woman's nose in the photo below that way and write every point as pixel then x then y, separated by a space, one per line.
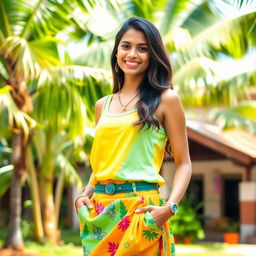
pixel 132 52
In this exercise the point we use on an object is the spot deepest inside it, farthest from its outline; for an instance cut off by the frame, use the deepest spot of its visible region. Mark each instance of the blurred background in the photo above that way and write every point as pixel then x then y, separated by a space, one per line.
pixel 54 66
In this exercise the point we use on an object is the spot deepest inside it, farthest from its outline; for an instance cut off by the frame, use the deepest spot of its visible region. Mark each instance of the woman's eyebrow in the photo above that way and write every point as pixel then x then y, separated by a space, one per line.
pixel 127 42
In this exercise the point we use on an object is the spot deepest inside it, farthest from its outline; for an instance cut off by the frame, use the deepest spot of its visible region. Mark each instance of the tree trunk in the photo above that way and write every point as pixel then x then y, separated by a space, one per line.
pixel 48 208
pixel 19 146
pixel 46 193
pixel 20 143
pixel 34 190
pixel 58 196
pixel 14 237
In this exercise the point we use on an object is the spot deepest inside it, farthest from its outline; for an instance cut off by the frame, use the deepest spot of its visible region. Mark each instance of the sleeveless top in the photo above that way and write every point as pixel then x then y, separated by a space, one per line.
pixel 122 151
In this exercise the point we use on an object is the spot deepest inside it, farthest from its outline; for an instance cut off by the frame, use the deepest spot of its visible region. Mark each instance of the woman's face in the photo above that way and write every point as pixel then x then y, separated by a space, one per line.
pixel 133 53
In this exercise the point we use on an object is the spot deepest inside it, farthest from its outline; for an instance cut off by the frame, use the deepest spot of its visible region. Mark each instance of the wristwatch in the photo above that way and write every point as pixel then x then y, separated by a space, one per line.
pixel 173 207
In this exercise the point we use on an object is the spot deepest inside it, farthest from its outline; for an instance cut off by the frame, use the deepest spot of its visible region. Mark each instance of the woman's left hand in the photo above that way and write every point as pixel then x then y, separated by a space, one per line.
pixel 160 214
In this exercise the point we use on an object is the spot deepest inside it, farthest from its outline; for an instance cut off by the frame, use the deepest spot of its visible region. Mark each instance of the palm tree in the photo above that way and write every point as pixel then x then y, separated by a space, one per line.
pixel 39 72
pixel 64 129
pixel 20 123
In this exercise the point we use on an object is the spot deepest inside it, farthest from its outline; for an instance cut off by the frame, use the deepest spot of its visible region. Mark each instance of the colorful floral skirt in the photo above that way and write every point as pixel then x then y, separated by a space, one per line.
pixel 112 227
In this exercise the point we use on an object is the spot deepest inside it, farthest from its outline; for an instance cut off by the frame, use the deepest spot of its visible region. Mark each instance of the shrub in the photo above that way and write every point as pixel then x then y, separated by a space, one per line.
pixel 186 223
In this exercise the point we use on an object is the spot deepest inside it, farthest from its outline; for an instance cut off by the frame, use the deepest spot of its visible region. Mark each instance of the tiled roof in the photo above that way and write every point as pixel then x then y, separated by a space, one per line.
pixel 236 144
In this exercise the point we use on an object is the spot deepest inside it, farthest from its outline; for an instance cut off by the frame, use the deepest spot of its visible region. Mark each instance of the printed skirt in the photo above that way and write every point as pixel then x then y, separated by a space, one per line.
pixel 112 227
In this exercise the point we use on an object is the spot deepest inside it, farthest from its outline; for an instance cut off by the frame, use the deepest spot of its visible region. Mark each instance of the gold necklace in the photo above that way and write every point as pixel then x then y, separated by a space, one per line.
pixel 125 106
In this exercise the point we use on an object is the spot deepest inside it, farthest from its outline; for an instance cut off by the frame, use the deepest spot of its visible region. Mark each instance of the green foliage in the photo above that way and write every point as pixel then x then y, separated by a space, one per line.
pixel 228 226
pixel 5 154
pixel 187 221
pixel 5 178
pixel 71 236
pixel 27 204
pixel 47 249
pixel 15 115
pixel 233 227
pixel 27 229
pixel 243 116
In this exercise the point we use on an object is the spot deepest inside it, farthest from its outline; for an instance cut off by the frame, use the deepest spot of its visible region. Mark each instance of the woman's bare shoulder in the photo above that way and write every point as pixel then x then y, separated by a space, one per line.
pixel 169 94
pixel 98 107
pixel 100 102
pixel 170 98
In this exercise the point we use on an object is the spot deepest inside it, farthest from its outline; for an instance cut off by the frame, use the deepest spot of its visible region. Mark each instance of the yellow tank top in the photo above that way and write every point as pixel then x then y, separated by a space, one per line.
pixel 121 151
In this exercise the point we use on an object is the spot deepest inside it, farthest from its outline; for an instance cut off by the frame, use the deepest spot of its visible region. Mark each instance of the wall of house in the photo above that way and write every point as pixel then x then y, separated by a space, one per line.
pixel 212 173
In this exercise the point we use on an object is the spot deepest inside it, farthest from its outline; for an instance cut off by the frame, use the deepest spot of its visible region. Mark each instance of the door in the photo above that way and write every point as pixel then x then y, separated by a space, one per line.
pixel 231 197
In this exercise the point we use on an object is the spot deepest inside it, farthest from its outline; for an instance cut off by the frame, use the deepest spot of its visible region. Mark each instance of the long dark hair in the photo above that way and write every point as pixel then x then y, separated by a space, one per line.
pixel 158 74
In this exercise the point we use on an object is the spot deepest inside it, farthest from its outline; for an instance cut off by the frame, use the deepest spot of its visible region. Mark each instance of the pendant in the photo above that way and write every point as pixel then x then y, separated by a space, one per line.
pixel 124 108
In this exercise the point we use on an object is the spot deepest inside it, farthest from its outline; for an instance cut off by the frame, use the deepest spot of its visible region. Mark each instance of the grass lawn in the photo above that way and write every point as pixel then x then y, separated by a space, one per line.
pixel 63 250
pixel 182 250
pixel 72 246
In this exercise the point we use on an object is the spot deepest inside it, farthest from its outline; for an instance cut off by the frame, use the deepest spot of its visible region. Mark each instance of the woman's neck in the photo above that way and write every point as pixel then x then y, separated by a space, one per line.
pixel 131 84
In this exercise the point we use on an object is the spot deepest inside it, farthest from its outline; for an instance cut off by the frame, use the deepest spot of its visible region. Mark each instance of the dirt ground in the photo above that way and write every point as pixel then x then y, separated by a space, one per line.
pixel 11 252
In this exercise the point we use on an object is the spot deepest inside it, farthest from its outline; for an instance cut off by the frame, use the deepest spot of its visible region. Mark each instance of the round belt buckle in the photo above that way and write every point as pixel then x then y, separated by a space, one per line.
pixel 110 189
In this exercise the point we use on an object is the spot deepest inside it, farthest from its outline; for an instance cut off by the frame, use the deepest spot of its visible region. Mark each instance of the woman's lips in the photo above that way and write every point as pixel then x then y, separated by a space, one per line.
pixel 131 64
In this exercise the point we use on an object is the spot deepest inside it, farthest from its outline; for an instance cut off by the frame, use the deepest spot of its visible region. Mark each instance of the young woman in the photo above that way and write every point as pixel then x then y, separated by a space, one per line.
pixel 121 211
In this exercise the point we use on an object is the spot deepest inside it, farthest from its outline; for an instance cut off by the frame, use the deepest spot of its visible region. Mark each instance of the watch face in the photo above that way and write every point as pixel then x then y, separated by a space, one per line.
pixel 174 208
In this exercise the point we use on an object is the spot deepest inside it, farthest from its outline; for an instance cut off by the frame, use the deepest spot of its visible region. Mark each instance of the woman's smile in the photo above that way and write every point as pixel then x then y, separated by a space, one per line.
pixel 131 64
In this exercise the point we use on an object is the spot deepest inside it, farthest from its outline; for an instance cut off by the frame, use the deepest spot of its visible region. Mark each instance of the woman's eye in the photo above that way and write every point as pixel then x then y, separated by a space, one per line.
pixel 143 49
pixel 125 46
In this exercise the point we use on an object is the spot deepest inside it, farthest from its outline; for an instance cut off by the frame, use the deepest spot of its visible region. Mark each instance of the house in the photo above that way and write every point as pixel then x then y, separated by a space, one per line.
pixel 224 174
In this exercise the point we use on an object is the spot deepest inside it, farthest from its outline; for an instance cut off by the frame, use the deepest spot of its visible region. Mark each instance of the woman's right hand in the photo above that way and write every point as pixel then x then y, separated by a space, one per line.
pixel 81 201
pixel 84 198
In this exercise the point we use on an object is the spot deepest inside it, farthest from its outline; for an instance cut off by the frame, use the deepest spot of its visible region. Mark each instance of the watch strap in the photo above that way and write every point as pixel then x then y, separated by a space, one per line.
pixel 172 206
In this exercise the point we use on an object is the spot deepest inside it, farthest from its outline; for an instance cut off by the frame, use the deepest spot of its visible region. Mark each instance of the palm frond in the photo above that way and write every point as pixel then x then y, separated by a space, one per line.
pixel 39 141
pixel 91 83
pixel 191 79
pixel 241 116
pixel 4 76
pixel 5 28
pixel 70 173
pixel 176 12
pixel 202 81
pixel 144 9
pixel 246 109
pixel 30 57
pixel 231 8
pixel 38 18
pixel 5 178
pixel 87 24
pixel 5 155
pixel 96 55
pixel 230 36
pixel 21 119
pixel 65 109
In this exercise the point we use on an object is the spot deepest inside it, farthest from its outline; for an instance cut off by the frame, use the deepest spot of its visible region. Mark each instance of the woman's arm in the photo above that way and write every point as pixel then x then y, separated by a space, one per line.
pixel 175 126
